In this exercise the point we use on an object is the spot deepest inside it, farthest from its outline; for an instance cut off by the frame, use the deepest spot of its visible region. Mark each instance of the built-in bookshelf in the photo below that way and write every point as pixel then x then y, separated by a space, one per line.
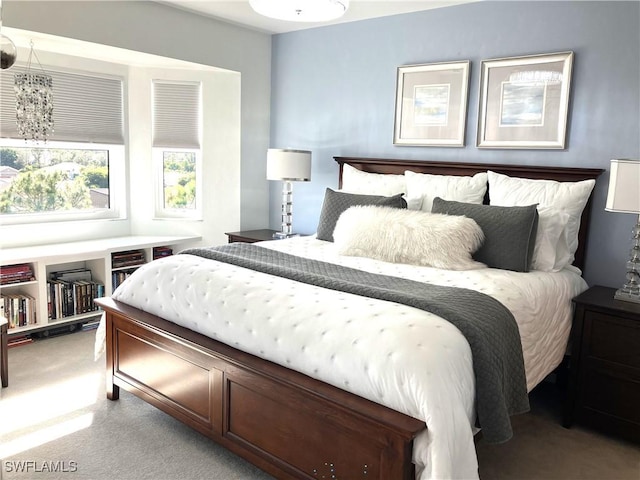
pixel 44 287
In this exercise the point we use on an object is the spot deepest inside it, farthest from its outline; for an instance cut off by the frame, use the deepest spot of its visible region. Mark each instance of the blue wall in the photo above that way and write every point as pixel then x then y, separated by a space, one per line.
pixel 333 92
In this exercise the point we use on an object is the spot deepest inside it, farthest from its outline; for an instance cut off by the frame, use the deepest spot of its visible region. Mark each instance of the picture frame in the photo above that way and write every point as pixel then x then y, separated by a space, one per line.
pixel 524 101
pixel 431 104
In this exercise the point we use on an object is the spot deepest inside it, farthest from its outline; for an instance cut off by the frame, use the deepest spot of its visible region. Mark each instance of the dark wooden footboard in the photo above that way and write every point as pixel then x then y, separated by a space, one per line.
pixel 286 423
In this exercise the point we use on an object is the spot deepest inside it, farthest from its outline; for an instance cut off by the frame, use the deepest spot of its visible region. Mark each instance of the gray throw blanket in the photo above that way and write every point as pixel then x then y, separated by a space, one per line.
pixel 487 325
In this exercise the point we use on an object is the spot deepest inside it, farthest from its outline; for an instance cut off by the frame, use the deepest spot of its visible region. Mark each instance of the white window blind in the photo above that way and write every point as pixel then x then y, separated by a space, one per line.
pixel 87 108
pixel 176 114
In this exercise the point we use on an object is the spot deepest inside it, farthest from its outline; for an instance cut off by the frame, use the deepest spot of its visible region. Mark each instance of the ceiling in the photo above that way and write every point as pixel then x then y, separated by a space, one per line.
pixel 239 12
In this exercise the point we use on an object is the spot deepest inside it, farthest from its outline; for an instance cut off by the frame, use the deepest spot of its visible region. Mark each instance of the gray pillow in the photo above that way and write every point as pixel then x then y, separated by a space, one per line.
pixel 509 232
pixel 337 202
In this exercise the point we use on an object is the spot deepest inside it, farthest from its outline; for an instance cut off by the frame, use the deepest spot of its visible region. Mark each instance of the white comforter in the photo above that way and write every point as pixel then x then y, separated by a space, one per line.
pixel 407 359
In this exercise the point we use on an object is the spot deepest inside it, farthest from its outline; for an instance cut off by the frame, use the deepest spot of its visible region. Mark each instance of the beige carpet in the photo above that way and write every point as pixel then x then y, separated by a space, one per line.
pixel 54 416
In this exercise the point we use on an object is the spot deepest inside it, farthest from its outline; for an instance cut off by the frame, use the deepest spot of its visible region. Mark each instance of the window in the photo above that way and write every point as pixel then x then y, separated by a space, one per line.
pixel 179 180
pixel 176 145
pixel 79 173
pixel 45 180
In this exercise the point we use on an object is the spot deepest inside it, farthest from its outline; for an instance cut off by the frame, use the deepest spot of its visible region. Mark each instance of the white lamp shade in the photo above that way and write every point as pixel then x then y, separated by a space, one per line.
pixel 301 10
pixel 624 187
pixel 289 165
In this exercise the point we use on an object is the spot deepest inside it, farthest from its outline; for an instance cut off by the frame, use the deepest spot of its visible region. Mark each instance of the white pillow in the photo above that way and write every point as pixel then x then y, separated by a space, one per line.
pixel 551 252
pixel 569 197
pixel 357 181
pixel 408 236
pixel 425 187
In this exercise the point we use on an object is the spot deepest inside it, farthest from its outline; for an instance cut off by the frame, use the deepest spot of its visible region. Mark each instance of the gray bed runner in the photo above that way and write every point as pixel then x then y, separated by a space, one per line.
pixel 488 326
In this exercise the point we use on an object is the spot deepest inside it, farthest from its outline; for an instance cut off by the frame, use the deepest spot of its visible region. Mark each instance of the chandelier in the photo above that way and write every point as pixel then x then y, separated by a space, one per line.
pixel 301 10
pixel 34 102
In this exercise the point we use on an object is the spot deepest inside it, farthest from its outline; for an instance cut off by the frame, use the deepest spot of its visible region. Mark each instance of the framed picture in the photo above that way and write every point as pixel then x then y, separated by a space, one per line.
pixel 524 101
pixel 431 104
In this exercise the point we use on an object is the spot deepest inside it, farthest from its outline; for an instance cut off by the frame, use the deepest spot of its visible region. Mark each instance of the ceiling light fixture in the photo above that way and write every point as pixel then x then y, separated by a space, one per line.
pixel 8 52
pixel 301 10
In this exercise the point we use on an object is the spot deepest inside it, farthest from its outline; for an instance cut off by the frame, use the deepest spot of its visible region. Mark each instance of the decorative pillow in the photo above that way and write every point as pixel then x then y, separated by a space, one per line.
pixel 408 236
pixel 569 197
pixel 337 202
pixel 425 187
pixel 357 181
pixel 509 232
pixel 551 252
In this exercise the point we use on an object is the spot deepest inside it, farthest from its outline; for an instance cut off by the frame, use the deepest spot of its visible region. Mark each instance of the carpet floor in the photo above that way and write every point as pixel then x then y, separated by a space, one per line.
pixel 56 423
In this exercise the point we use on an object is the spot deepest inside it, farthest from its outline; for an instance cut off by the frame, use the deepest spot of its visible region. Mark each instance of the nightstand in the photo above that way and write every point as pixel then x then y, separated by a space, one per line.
pixel 604 373
pixel 251 236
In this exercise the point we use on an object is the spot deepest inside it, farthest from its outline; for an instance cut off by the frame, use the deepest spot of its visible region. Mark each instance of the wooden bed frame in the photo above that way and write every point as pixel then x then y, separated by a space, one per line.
pixel 287 424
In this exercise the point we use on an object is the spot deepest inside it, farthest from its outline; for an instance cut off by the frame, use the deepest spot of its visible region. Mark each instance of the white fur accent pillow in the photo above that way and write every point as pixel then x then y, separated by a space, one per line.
pixel 409 236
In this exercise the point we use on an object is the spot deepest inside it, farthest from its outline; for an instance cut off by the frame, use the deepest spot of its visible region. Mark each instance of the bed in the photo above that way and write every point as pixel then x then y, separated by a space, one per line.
pixel 293 379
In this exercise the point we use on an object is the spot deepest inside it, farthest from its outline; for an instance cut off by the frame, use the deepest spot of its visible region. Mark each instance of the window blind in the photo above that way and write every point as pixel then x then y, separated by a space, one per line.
pixel 87 108
pixel 176 114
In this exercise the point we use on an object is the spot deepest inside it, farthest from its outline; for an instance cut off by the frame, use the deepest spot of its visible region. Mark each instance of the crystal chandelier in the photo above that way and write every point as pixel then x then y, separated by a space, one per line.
pixel 301 10
pixel 34 102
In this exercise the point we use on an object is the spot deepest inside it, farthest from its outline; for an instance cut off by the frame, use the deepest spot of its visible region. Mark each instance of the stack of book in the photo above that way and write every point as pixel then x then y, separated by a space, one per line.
pixel 130 258
pixel 126 262
pixel 159 252
pixel 119 276
pixel 19 309
pixel 16 274
pixel 71 292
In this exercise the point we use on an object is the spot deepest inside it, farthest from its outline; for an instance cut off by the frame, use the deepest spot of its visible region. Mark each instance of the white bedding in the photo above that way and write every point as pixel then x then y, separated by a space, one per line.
pixel 404 358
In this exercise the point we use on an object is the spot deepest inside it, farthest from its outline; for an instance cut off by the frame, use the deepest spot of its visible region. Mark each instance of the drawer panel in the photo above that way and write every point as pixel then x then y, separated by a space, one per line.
pixel 315 439
pixel 179 382
pixel 614 391
pixel 613 339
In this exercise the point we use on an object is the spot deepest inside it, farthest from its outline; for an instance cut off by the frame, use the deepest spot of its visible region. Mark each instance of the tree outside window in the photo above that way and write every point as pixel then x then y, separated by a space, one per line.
pixel 44 180
pixel 179 180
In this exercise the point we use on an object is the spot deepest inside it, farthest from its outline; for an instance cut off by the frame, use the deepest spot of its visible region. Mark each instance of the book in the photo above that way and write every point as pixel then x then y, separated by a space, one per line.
pixel 159 252
pixel 17 341
pixel 16 274
pixel 127 258
pixel 71 274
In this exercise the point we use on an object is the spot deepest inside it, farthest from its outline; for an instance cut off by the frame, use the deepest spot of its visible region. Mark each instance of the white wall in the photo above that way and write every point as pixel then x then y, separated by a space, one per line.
pixel 161 30
pixel 220 153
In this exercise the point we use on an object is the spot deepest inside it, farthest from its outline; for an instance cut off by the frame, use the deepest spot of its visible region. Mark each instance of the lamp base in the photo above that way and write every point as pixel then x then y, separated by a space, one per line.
pixel 627 297
pixel 282 235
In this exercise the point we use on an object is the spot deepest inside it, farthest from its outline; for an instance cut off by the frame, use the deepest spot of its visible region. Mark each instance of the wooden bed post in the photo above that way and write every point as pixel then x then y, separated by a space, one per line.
pixel 113 391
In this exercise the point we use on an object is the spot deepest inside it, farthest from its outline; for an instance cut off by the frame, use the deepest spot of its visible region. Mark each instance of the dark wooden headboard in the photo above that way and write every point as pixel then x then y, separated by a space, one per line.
pixel 559 174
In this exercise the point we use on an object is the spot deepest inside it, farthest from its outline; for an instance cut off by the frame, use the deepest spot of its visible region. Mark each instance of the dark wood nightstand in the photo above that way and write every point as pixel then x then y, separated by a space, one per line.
pixel 604 373
pixel 251 236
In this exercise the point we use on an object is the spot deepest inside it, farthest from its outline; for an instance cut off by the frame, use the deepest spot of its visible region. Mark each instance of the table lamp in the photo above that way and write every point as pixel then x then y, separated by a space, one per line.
pixel 288 166
pixel 624 197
